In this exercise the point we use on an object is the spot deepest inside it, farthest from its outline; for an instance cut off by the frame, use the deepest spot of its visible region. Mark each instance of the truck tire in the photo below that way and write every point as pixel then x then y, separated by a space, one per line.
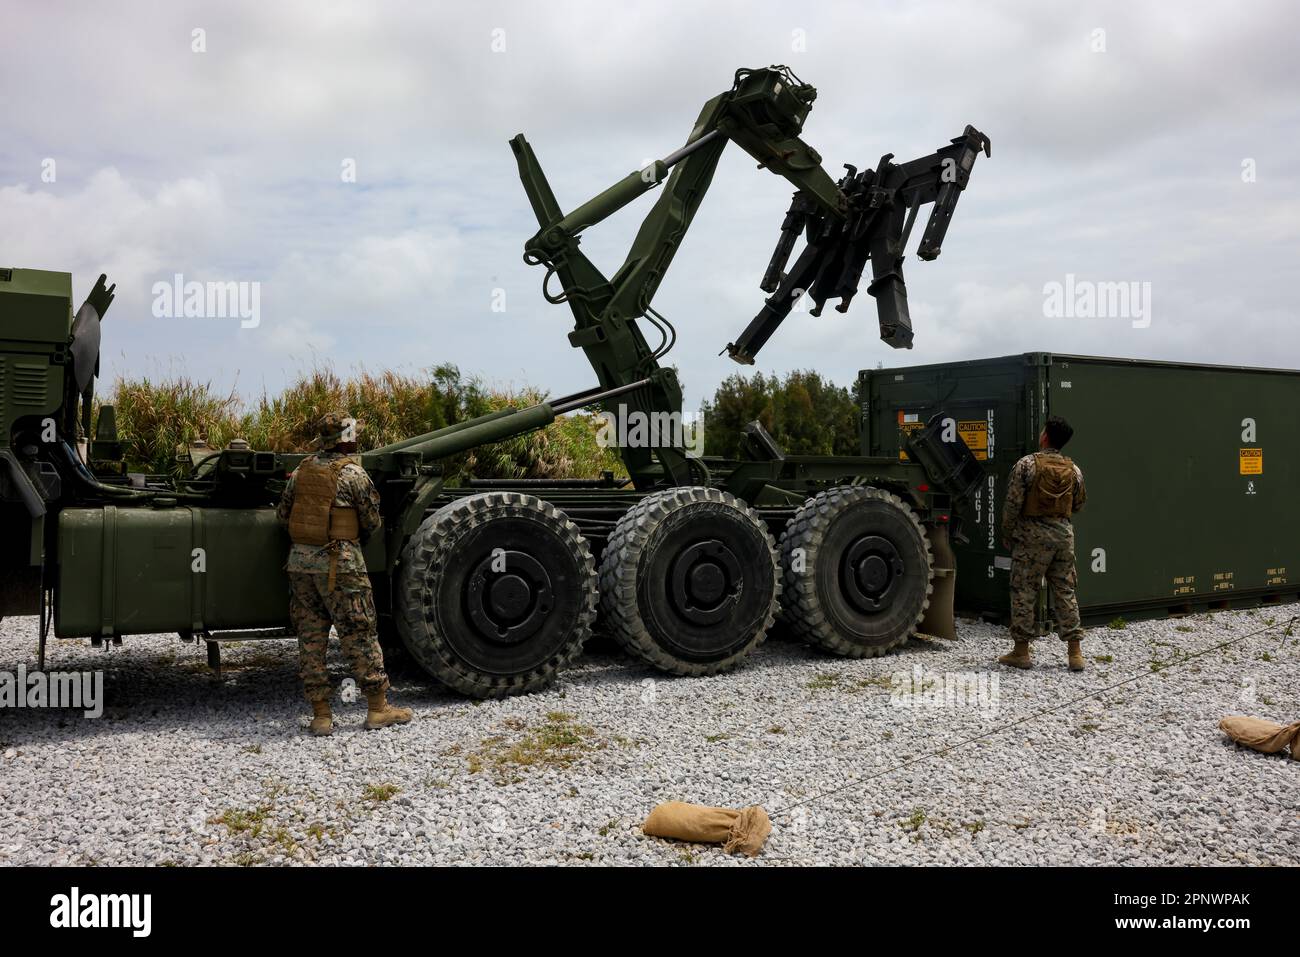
pixel 689 581
pixel 496 594
pixel 856 570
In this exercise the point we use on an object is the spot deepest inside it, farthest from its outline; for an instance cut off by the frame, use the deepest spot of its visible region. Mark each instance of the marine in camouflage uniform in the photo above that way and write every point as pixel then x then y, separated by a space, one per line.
pixel 1043 491
pixel 331 508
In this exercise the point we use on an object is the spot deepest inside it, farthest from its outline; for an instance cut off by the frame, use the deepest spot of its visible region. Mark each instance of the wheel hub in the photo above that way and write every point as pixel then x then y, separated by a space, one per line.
pixel 869 570
pixel 508 595
pixel 704 583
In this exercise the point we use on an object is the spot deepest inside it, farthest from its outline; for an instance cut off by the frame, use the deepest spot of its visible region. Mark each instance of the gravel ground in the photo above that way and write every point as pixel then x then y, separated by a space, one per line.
pixel 184 768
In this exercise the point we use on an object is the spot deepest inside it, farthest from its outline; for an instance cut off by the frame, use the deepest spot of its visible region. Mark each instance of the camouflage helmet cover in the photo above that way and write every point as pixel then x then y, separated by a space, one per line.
pixel 336 427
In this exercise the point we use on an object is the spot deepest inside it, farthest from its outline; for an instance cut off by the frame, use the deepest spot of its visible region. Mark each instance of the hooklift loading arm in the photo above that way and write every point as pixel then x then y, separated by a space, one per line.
pixel 867 215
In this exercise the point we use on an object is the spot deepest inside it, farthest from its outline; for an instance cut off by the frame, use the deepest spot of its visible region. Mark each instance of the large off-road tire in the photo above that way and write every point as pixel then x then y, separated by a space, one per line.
pixel 856 570
pixel 689 581
pixel 496 594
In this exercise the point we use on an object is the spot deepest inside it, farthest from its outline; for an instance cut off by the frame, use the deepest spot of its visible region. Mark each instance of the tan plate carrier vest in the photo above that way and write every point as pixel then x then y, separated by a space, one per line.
pixel 1051 494
pixel 315 519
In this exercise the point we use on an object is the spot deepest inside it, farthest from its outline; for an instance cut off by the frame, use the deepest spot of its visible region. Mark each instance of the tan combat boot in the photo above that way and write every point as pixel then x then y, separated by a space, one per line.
pixel 382 714
pixel 322 722
pixel 1019 657
pixel 1076 656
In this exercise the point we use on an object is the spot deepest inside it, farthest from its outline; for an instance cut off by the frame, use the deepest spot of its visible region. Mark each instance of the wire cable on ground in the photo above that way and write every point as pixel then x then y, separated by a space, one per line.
pixel 1286 630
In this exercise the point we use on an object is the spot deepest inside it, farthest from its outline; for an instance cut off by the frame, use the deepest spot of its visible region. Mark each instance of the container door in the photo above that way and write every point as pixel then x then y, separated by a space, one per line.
pixel 1190 473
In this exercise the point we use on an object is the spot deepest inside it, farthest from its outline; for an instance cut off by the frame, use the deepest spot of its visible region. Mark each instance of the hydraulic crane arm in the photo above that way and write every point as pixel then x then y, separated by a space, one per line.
pixel 883 206
pixel 862 216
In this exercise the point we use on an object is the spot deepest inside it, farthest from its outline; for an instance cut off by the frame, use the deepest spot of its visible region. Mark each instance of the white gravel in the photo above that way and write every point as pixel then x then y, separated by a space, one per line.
pixel 187 769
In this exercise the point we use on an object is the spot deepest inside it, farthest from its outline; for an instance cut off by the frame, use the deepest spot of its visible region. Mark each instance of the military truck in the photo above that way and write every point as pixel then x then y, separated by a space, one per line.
pixel 494 586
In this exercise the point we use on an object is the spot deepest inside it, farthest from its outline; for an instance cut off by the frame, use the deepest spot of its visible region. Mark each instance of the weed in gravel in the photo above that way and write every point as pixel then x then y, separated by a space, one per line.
pixel 1103 659
pixel 243 820
pixel 1183 628
pixel 823 681
pixel 1158 661
pixel 776 729
pixel 608 826
pixel 914 822
pixel 974 827
pixel 829 681
pixel 557 742
pixel 379 793
pixel 1265 656
pixel 281 837
pixel 715 738
pixel 882 681
pixel 246 859
pixel 1117 624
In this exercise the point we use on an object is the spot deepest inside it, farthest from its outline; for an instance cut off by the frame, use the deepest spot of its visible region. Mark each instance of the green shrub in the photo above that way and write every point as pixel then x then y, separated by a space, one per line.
pixel 156 419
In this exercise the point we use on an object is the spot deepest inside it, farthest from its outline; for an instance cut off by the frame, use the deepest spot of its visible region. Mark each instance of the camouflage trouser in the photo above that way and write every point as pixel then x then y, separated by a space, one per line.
pixel 350 607
pixel 1041 553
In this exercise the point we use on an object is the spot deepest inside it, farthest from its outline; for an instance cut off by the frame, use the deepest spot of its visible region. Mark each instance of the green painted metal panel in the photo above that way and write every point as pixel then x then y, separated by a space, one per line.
pixel 1191 474
pixel 35 324
pixel 132 570
pixel 1188 468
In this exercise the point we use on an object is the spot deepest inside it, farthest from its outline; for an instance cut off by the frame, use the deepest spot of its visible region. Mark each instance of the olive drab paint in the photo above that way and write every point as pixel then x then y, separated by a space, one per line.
pixel 1184 508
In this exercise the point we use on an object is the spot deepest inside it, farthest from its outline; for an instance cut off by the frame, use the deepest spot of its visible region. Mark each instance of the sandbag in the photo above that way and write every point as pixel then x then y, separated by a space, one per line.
pixel 1266 736
pixel 745 831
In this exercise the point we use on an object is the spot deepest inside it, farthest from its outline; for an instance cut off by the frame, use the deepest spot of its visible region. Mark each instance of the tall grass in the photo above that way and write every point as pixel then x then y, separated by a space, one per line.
pixel 156 419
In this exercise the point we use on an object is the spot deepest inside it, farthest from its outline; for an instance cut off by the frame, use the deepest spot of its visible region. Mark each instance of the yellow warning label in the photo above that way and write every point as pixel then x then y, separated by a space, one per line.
pixel 975 433
pixel 903 432
pixel 908 422
pixel 1251 461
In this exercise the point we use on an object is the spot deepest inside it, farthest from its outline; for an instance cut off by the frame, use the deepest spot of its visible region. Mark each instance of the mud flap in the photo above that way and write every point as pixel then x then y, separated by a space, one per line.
pixel 938 620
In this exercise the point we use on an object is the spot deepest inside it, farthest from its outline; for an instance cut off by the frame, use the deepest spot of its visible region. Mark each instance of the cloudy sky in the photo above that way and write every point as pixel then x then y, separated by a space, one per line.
pixel 1132 142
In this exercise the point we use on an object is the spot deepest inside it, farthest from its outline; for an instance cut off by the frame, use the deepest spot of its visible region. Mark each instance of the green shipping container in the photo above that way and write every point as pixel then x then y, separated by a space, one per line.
pixel 1191 473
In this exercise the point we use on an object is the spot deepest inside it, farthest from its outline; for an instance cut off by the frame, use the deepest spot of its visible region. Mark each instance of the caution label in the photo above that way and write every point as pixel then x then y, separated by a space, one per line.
pixel 908 422
pixel 1251 461
pixel 975 433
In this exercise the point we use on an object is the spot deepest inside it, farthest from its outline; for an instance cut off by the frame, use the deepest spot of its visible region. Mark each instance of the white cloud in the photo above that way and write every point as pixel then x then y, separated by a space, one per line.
pixel 225 165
